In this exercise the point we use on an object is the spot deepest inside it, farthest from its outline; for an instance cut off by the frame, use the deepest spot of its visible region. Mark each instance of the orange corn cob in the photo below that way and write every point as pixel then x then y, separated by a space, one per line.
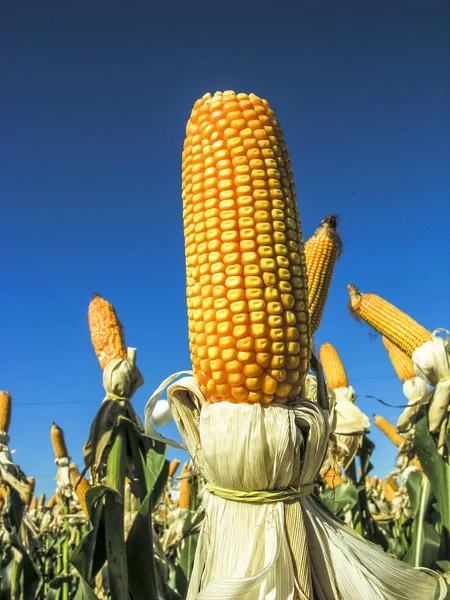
pixel 388 320
pixel 41 503
pixel 247 291
pixel 333 367
pixel 184 500
pixel 392 482
pixel 322 251
pixel 51 503
pixel 33 503
pixel 389 493
pixel 389 430
pixel 58 442
pixel 173 467
pixel 403 365
pixel 5 411
pixel 332 477
pixel 106 331
pixel 80 485
pixel 28 495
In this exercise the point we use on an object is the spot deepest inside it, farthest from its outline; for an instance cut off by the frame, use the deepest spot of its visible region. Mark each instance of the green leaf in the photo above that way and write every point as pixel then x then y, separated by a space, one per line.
pixel 341 499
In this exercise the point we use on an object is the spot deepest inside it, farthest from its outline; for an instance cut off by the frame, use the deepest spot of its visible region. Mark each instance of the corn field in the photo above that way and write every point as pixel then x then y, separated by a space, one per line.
pixel 279 499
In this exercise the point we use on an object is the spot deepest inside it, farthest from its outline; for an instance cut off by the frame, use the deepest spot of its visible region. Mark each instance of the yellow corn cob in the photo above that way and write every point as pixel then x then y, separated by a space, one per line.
pixel 246 272
pixel 375 482
pixel 389 430
pixel 173 467
pixel 388 320
pixel 332 477
pixel 386 488
pixel 321 251
pixel 41 503
pixel 106 331
pixel 333 367
pixel 33 503
pixel 51 503
pixel 28 495
pixel 58 442
pixel 80 485
pixel 184 500
pixel 403 365
pixel 392 482
pixel 5 411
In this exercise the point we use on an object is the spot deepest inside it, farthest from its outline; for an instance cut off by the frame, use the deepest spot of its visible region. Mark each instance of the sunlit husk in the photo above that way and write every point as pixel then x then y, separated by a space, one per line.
pixel 275 551
pixel 415 389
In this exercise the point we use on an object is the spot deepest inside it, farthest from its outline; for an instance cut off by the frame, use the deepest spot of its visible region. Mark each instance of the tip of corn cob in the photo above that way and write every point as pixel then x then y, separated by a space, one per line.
pixel 58 441
pixel 106 331
pixel 5 410
pixel 329 226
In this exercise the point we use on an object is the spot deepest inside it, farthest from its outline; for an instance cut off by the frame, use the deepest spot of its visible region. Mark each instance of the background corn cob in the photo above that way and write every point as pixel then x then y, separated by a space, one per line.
pixel 332 476
pixel 33 503
pixel 173 467
pixel 403 365
pixel 41 503
pixel 389 430
pixel 321 251
pixel 58 441
pixel 332 365
pixel 80 485
pixel 28 495
pixel 5 411
pixel 51 503
pixel 184 500
pixel 106 331
pixel 246 272
pixel 388 320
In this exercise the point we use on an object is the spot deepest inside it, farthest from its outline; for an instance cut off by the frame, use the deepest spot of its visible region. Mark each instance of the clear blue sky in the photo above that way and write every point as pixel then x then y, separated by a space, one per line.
pixel 94 100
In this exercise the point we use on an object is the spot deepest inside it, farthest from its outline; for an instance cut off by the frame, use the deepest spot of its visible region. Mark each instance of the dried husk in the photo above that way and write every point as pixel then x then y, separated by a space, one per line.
pixel 281 550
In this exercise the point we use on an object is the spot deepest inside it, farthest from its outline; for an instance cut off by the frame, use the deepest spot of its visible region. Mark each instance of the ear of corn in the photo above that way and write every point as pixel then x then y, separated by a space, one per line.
pixel 321 251
pixel 80 485
pixel 106 331
pixel 246 272
pixel 333 368
pixel 332 477
pixel 389 430
pixel 388 320
pixel 34 503
pixel 184 500
pixel 5 411
pixel 51 503
pixel 41 501
pixel 403 365
pixel 28 495
pixel 173 467
pixel 58 441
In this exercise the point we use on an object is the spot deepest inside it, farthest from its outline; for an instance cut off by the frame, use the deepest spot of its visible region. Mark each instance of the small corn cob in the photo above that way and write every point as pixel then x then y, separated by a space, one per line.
pixel 247 291
pixel 58 442
pixel 333 368
pixel 80 485
pixel 184 500
pixel 106 331
pixel 34 503
pixel 389 430
pixel 332 477
pixel 403 365
pixel 28 495
pixel 173 467
pixel 392 482
pixel 41 502
pixel 321 251
pixel 388 320
pixel 51 503
pixel 5 411
pixel 389 493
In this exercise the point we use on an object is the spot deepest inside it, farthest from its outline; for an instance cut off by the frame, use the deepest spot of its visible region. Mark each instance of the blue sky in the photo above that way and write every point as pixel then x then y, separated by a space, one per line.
pixel 94 101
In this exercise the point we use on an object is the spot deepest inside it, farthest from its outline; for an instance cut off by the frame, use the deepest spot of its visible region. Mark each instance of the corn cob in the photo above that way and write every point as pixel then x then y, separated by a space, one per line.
pixel 403 365
pixel 246 272
pixel 184 500
pixel 332 477
pixel 392 482
pixel 80 485
pixel 41 503
pixel 51 503
pixel 28 495
pixel 58 442
pixel 386 488
pixel 389 430
pixel 33 503
pixel 106 331
pixel 321 251
pixel 333 367
pixel 388 320
pixel 173 467
pixel 5 411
